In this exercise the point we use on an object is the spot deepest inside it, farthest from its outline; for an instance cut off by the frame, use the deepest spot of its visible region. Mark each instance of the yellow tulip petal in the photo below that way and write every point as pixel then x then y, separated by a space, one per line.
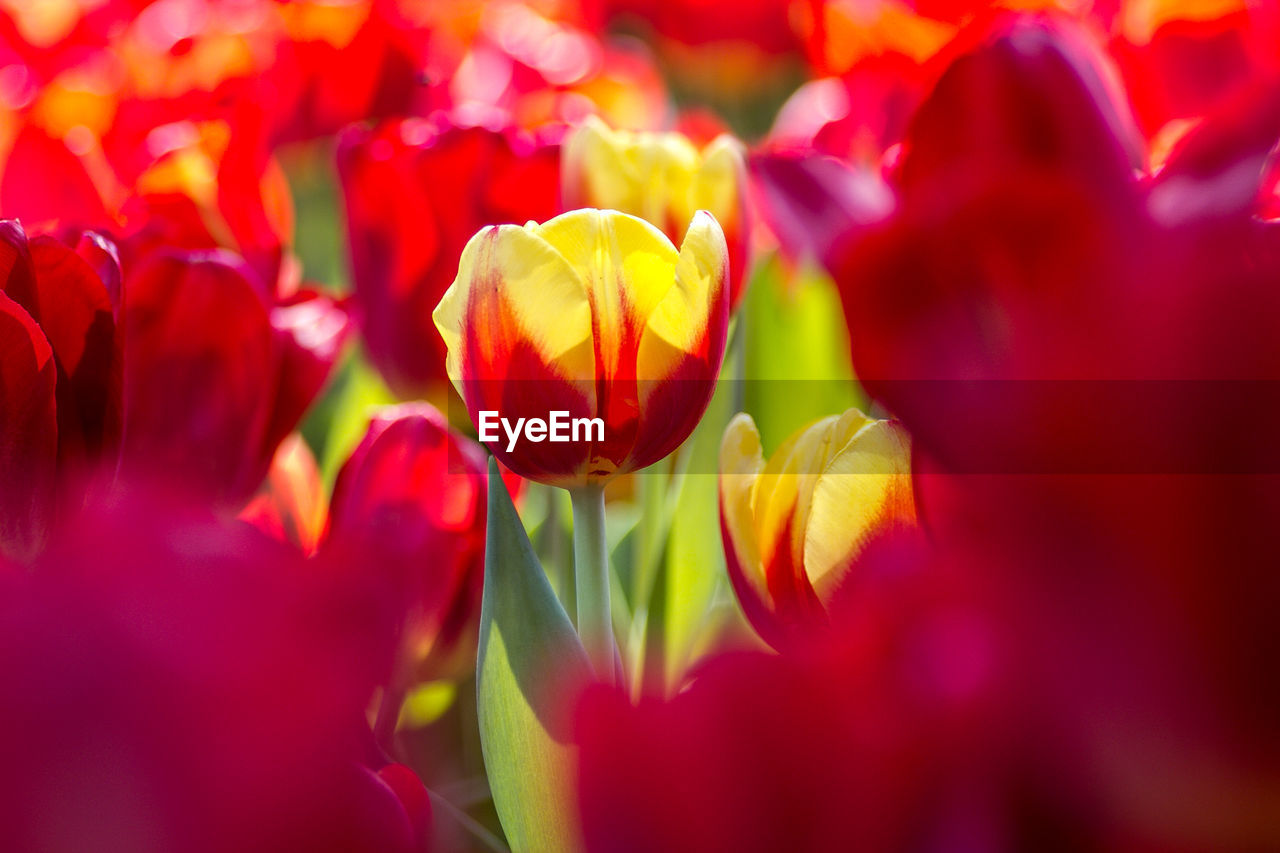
pixel 741 461
pixel 627 265
pixel 533 285
pixel 679 321
pixel 644 174
pixel 866 485
pixel 594 169
pixel 718 181
pixel 785 485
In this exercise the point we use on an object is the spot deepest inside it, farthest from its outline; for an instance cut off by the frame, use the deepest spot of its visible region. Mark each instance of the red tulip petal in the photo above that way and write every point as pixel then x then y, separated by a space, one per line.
pixel 311 329
pixel 813 203
pixel 1032 99
pixel 411 501
pixel 201 361
pixel 17 273
pixel 43 182
pixel 415 193
pixel 77 316
pixel 28 432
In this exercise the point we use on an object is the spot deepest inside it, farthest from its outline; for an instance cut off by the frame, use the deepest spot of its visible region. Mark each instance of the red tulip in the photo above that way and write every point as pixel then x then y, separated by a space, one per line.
pixel 215 377
pixel 61 413
pixel 43 183
pixel 340 64
pixel 1181 61
pixel 409 506
pixel 189 685
pixel 1088 357
pixel 416 192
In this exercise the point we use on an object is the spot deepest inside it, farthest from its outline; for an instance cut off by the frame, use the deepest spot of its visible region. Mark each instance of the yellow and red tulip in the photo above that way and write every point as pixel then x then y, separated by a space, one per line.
pixel 664 178
pixel 597 314
pixel 794 525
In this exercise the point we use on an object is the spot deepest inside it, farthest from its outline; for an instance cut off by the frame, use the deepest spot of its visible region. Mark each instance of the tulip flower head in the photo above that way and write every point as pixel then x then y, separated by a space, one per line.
pixel 661 177
pixel 794 526
pixel 596 314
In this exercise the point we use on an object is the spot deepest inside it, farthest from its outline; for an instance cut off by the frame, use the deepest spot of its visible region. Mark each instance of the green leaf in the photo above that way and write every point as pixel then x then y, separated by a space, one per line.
pixel 797 351
pixel 529 661
pixel 319 236
pixel 693 568
pixel 339 421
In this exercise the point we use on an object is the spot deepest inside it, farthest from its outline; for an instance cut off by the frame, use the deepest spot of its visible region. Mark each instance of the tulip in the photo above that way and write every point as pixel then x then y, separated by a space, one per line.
pixel 1180 60
pixel 42 181
pixel 216 376
pixel 415 193
pixel 597 317
pixel 213 184
pixel 1086 359
pixel 663 178
pixel 409 505
pixel 60 412
pixel 337 64
pixel 794 526
pixel 595 313
pixel 200 687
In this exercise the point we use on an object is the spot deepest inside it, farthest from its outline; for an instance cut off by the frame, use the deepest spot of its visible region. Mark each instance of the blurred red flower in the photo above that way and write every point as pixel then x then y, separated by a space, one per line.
pixel 408 509
pixel 416 191
pixel 215 375
pixel 888 733
pixel 409 504
pixel 190 685
pixel 61 412
pixel 1086 359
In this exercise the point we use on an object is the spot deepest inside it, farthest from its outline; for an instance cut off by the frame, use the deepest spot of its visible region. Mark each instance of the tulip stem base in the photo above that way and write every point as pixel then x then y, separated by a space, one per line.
pixel 591 571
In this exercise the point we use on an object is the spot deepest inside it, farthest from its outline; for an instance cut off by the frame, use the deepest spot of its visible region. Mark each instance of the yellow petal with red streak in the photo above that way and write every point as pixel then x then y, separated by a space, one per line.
pixel 512 269
pixel 679 322
pixel 628 267
pixel 741 461
pixel 865 487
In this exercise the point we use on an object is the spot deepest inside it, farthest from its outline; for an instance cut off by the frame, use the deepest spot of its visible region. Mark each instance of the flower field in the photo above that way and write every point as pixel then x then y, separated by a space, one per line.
pixel 614 426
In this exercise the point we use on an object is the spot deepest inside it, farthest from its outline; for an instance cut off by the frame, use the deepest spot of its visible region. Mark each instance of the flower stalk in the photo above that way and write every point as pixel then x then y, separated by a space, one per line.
pixel 591 569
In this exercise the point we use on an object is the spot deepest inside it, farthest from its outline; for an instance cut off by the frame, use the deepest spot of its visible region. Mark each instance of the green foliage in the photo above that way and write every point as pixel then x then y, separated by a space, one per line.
pixel 340 419
pixel 797 351
pixel 529 661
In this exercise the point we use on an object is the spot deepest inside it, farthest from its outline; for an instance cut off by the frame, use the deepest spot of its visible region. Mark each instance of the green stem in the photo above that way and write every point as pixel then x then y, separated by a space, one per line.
pixel 467 822
pixel 591 568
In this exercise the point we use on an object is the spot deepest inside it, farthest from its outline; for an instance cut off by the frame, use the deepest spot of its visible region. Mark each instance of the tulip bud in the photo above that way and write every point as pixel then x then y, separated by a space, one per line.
pixel 595 316
pixel 794 526
pixel 408 505
pixel 663 178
